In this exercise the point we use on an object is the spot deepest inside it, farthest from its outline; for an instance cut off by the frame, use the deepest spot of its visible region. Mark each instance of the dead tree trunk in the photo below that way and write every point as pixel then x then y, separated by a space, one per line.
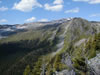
pixel 43 68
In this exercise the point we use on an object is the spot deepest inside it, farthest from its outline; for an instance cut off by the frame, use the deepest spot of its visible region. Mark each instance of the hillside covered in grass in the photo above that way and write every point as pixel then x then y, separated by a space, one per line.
pixel 62 47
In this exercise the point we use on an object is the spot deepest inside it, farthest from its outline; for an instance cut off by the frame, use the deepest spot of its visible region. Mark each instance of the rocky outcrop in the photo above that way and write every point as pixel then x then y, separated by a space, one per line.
pixel 95 64
pixel 66 72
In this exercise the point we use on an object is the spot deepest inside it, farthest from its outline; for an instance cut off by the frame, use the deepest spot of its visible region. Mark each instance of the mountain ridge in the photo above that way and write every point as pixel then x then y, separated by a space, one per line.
pixel 53 44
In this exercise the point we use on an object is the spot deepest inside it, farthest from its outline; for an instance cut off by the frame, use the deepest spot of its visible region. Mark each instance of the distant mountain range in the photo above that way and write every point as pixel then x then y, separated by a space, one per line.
pixel 6 30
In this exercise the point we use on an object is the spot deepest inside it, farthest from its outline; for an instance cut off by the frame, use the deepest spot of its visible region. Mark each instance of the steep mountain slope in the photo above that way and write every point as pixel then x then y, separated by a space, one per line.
pixel 56 47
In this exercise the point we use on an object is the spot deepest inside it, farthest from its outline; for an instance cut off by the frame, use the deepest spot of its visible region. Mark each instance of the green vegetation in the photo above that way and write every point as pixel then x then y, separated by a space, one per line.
pixel 79 55
pixel 97 42
pixel 27 70
pixel 58 65
pixel 24 48
pixel 37 67
pixel 26 52
pixel 89 51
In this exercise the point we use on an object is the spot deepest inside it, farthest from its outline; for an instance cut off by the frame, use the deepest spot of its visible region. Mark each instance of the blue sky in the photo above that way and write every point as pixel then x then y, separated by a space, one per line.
pixel 23 11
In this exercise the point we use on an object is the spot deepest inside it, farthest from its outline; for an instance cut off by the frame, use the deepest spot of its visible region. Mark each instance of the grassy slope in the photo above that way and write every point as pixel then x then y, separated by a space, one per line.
pixel 35 46
pixel 32 44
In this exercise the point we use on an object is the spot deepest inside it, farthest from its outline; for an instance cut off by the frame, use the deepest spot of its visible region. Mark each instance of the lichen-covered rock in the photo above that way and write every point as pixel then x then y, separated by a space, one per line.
pixel 66 72
pixel 95 63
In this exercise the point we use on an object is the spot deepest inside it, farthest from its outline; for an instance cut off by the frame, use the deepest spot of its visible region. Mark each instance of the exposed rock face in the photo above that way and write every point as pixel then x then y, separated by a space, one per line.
pixel 80 27
pixel 80 42
pixel 95 63
pixel 96 26
pixel 66 72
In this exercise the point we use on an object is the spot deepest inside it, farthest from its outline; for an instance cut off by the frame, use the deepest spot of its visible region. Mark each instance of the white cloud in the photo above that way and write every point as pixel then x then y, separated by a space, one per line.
pixel 3 8
pixel 43 20
pixel 75 10
pixel 58 2
pixel 89 1
pixel 81 0
pixel 95 15
pixel 31 19
pixel 57 6
pixel 3 20
pixel 26 5
pixel 94 1
pixel 53 8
